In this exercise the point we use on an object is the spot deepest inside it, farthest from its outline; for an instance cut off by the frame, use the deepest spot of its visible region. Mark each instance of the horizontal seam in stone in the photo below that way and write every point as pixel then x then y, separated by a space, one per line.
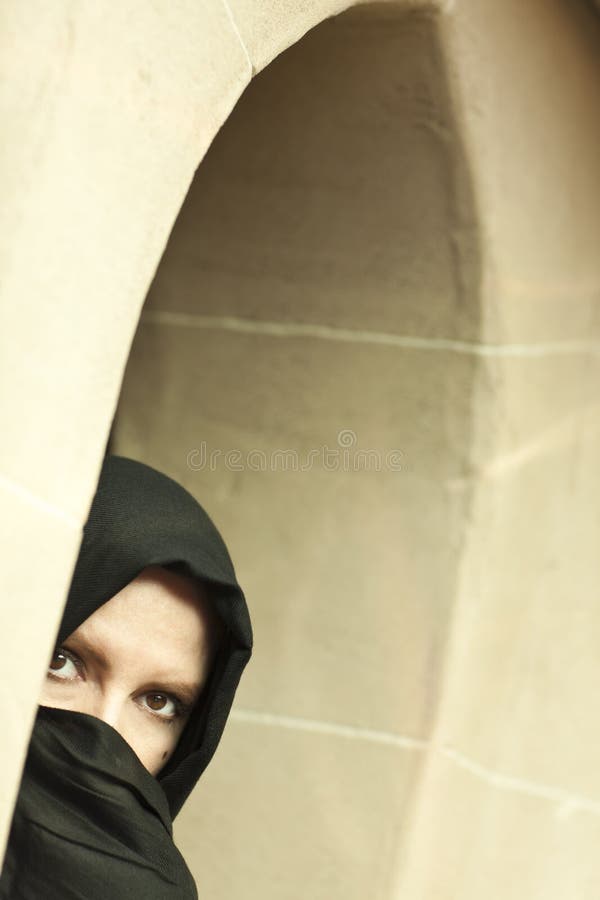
pixel 349 335
pixel 567 802
pixel 318 727
pixel 38 502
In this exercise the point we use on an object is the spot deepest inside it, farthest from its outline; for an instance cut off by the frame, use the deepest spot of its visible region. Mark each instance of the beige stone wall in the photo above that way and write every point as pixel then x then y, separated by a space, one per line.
pixel 510 794
pixel 392 242
pixel 317 234
pixel 105 116
pixel 391 245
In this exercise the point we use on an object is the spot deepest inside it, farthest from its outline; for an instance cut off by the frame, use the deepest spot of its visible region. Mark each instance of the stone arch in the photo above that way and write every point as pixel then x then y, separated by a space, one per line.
pixel 310 315
pixel 109 127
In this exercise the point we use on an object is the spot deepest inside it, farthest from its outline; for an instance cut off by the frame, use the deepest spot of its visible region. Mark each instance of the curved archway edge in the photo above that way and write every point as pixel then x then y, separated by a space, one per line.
pixel 105 120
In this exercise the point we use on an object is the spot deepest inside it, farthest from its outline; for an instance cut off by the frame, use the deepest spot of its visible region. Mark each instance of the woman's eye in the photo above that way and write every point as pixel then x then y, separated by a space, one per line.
pixel 62 666
pixel 161 704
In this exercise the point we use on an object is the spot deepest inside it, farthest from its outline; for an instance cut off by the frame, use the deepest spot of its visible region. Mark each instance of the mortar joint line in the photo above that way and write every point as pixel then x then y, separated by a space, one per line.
pixel 349 335
pixel 38 502
pixel 316 726
pixel 567 801
pixel 234 25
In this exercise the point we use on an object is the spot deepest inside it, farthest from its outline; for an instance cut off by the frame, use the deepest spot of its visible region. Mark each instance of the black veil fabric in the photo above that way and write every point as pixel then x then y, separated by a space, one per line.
pixel 90 821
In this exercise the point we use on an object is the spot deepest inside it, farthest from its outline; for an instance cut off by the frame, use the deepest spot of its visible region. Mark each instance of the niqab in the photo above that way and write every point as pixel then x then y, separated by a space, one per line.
pixel 90 821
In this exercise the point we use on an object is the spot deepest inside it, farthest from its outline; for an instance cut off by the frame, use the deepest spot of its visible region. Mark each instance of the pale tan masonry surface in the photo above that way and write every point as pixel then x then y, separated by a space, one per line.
pixel 391 245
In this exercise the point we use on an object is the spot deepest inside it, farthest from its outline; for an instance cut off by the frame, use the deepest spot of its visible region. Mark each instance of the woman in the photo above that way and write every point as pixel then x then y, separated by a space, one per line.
pixel 153 640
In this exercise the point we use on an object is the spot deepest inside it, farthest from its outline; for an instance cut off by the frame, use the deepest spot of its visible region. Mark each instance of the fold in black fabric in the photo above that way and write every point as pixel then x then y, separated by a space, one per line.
pixel 90 821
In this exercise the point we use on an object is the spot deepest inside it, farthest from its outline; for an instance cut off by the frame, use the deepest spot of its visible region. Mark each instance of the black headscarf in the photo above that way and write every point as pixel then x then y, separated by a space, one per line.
pixel 90 821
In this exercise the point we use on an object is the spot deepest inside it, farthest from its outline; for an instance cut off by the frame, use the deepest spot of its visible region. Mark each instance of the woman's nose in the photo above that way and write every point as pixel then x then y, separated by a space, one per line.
pixel 108 706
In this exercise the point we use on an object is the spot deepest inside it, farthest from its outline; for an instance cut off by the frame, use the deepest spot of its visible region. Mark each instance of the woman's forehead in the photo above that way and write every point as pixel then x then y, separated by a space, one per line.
pixel 159 620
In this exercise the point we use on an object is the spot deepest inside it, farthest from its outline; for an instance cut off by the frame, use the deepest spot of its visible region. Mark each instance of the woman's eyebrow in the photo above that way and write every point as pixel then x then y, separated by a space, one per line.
pixel 186 691
pixel 80 645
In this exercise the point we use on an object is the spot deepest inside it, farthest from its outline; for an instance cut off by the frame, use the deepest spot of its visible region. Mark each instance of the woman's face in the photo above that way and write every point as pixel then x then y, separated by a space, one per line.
pixel 139 662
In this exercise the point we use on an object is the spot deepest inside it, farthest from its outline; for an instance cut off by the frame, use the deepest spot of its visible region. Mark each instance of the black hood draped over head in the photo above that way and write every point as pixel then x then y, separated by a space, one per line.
pixel 90 820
